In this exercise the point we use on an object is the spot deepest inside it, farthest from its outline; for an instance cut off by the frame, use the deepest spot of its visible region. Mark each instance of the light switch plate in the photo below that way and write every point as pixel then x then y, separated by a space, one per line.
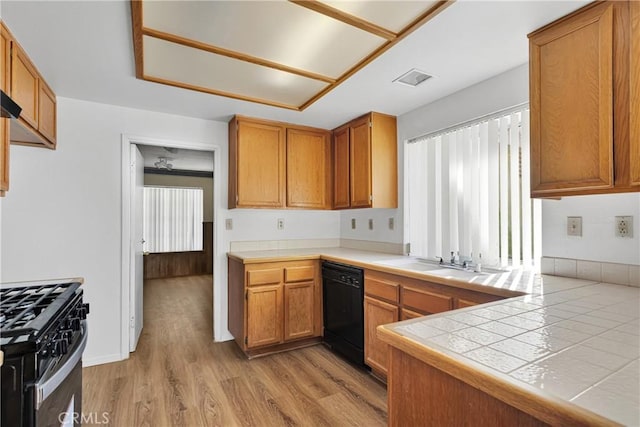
pixel 574 226
pixel 228 223
pixel 370 224
pixel 353 223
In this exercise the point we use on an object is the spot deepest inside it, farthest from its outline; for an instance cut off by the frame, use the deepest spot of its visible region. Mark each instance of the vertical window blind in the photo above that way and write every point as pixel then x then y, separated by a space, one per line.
pixel 468 193
pixel 172 219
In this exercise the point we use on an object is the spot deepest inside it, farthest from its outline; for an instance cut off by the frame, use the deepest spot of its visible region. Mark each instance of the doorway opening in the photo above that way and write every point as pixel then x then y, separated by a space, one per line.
pixel 170 174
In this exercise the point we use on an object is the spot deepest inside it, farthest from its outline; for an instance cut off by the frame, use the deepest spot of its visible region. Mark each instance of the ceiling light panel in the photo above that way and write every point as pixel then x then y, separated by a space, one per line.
pixel 392 15
pixel 277 31
pixel 197 69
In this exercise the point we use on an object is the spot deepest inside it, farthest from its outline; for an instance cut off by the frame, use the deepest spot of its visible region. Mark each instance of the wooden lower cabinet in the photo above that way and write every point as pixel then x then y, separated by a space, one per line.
pixel 407 314
pixel 298 310
pixel 274 306
pixel 264 315
pixel 390 298
pixel 376 352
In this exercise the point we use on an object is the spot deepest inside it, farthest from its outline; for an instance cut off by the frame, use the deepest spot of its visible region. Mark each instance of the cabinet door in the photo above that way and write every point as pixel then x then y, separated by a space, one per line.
pixel 47 113
pixel 634 84
pixel 308 169
pixel 341 198
pixel 24 85
pixel 360 163
pixel 264 315
pixel 298 310
pixel 260 160
pixel 376 352
pixel 5 60
pixel 571 87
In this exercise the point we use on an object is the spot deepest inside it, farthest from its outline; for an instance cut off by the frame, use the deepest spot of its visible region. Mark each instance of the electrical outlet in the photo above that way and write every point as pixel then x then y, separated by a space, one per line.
pixel 574 226
pixel 370 224
pixel 228 223
pixel 353 223
pixel 280 223
pixel 624 226
pixel 391 223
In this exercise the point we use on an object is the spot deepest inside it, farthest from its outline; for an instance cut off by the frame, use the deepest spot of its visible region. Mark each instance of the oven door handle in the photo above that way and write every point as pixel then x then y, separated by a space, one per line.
pixel 45 389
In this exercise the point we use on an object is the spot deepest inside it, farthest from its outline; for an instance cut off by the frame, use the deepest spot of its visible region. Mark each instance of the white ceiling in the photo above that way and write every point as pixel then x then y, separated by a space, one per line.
pixel 179 158
pixel 84 50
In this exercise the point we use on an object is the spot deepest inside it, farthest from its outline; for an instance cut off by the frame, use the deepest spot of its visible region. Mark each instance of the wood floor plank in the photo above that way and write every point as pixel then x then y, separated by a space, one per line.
pixel 179 377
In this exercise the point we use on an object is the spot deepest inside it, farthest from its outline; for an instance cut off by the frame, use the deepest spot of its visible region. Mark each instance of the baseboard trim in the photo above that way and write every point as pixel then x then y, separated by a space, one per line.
pixel 101 360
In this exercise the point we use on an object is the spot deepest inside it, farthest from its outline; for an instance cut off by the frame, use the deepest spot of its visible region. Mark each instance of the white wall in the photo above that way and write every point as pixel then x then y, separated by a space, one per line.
pixel 62 216
pixel 598 241
pixel 503 91
pixel 497 93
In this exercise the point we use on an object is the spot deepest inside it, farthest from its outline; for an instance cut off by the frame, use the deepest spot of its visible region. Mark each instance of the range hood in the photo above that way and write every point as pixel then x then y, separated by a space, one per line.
pixel 9 107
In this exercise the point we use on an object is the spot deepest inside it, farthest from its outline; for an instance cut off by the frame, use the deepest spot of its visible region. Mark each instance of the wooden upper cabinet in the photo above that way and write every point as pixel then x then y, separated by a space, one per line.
pixel 5 61
pixel 372 159
pixel 277 165
pixel 634 93
pixel 256 164
pixel 582 97
pixel 37 122
pixel 47 112
pixel 24 85
pixel 360 164
pixel 341 195
pixel 308 168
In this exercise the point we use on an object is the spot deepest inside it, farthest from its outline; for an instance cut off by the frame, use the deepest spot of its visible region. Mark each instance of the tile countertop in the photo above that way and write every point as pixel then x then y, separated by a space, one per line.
pixel 571 341
pixel 506 284
pixel 580 346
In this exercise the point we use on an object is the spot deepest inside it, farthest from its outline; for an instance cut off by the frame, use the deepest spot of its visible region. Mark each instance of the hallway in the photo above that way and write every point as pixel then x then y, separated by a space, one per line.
pixel 179 377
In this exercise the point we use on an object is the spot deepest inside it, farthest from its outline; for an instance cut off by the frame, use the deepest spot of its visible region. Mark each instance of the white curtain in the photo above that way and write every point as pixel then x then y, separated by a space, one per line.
pixel 172 219
pixel 468 193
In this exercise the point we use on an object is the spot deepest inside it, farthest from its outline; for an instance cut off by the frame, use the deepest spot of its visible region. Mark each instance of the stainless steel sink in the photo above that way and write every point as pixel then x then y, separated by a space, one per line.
pixel 420 264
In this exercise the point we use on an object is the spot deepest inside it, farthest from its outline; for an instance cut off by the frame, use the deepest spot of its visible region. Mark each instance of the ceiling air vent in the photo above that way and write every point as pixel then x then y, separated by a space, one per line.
pixel 413 77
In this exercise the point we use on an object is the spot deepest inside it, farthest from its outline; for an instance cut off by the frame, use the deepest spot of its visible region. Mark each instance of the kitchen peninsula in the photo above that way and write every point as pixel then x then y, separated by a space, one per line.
pixel 550 352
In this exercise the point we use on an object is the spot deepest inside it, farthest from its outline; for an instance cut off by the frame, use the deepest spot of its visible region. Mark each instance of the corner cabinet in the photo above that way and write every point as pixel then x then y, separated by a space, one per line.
pixel 390 298
pixel 278 165
pixel 584 99
pixel 365 163
pixel 274 306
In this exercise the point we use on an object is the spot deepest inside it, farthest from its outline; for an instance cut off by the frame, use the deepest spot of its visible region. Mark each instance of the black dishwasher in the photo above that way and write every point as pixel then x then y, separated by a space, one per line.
pixel 343 297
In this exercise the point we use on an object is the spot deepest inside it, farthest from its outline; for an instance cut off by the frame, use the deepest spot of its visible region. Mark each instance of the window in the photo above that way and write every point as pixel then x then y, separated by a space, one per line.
pixel 468 193
pixel 172 219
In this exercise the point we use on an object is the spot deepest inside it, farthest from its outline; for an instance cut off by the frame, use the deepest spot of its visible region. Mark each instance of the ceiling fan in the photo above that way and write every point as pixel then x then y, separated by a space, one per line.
pixel 162 163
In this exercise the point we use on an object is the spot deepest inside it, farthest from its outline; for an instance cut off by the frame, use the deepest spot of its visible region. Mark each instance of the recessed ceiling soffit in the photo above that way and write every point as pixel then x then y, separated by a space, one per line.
pixel 285 54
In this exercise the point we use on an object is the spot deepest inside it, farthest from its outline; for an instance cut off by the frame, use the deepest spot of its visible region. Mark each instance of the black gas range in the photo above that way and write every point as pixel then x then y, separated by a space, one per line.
pixel 43 333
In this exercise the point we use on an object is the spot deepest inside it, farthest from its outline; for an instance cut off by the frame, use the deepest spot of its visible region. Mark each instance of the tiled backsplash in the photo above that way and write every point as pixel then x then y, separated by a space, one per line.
pixel 608 272
pixel 365 245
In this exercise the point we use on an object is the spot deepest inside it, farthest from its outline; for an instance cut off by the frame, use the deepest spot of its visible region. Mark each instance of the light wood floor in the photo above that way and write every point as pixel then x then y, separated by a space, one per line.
pixel 179 377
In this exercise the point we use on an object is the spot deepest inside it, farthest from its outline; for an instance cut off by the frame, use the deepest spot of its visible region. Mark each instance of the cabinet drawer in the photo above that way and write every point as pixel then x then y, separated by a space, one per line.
pixel 382 289
pixel 426 302
pixel 264 277
pixel 299 274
